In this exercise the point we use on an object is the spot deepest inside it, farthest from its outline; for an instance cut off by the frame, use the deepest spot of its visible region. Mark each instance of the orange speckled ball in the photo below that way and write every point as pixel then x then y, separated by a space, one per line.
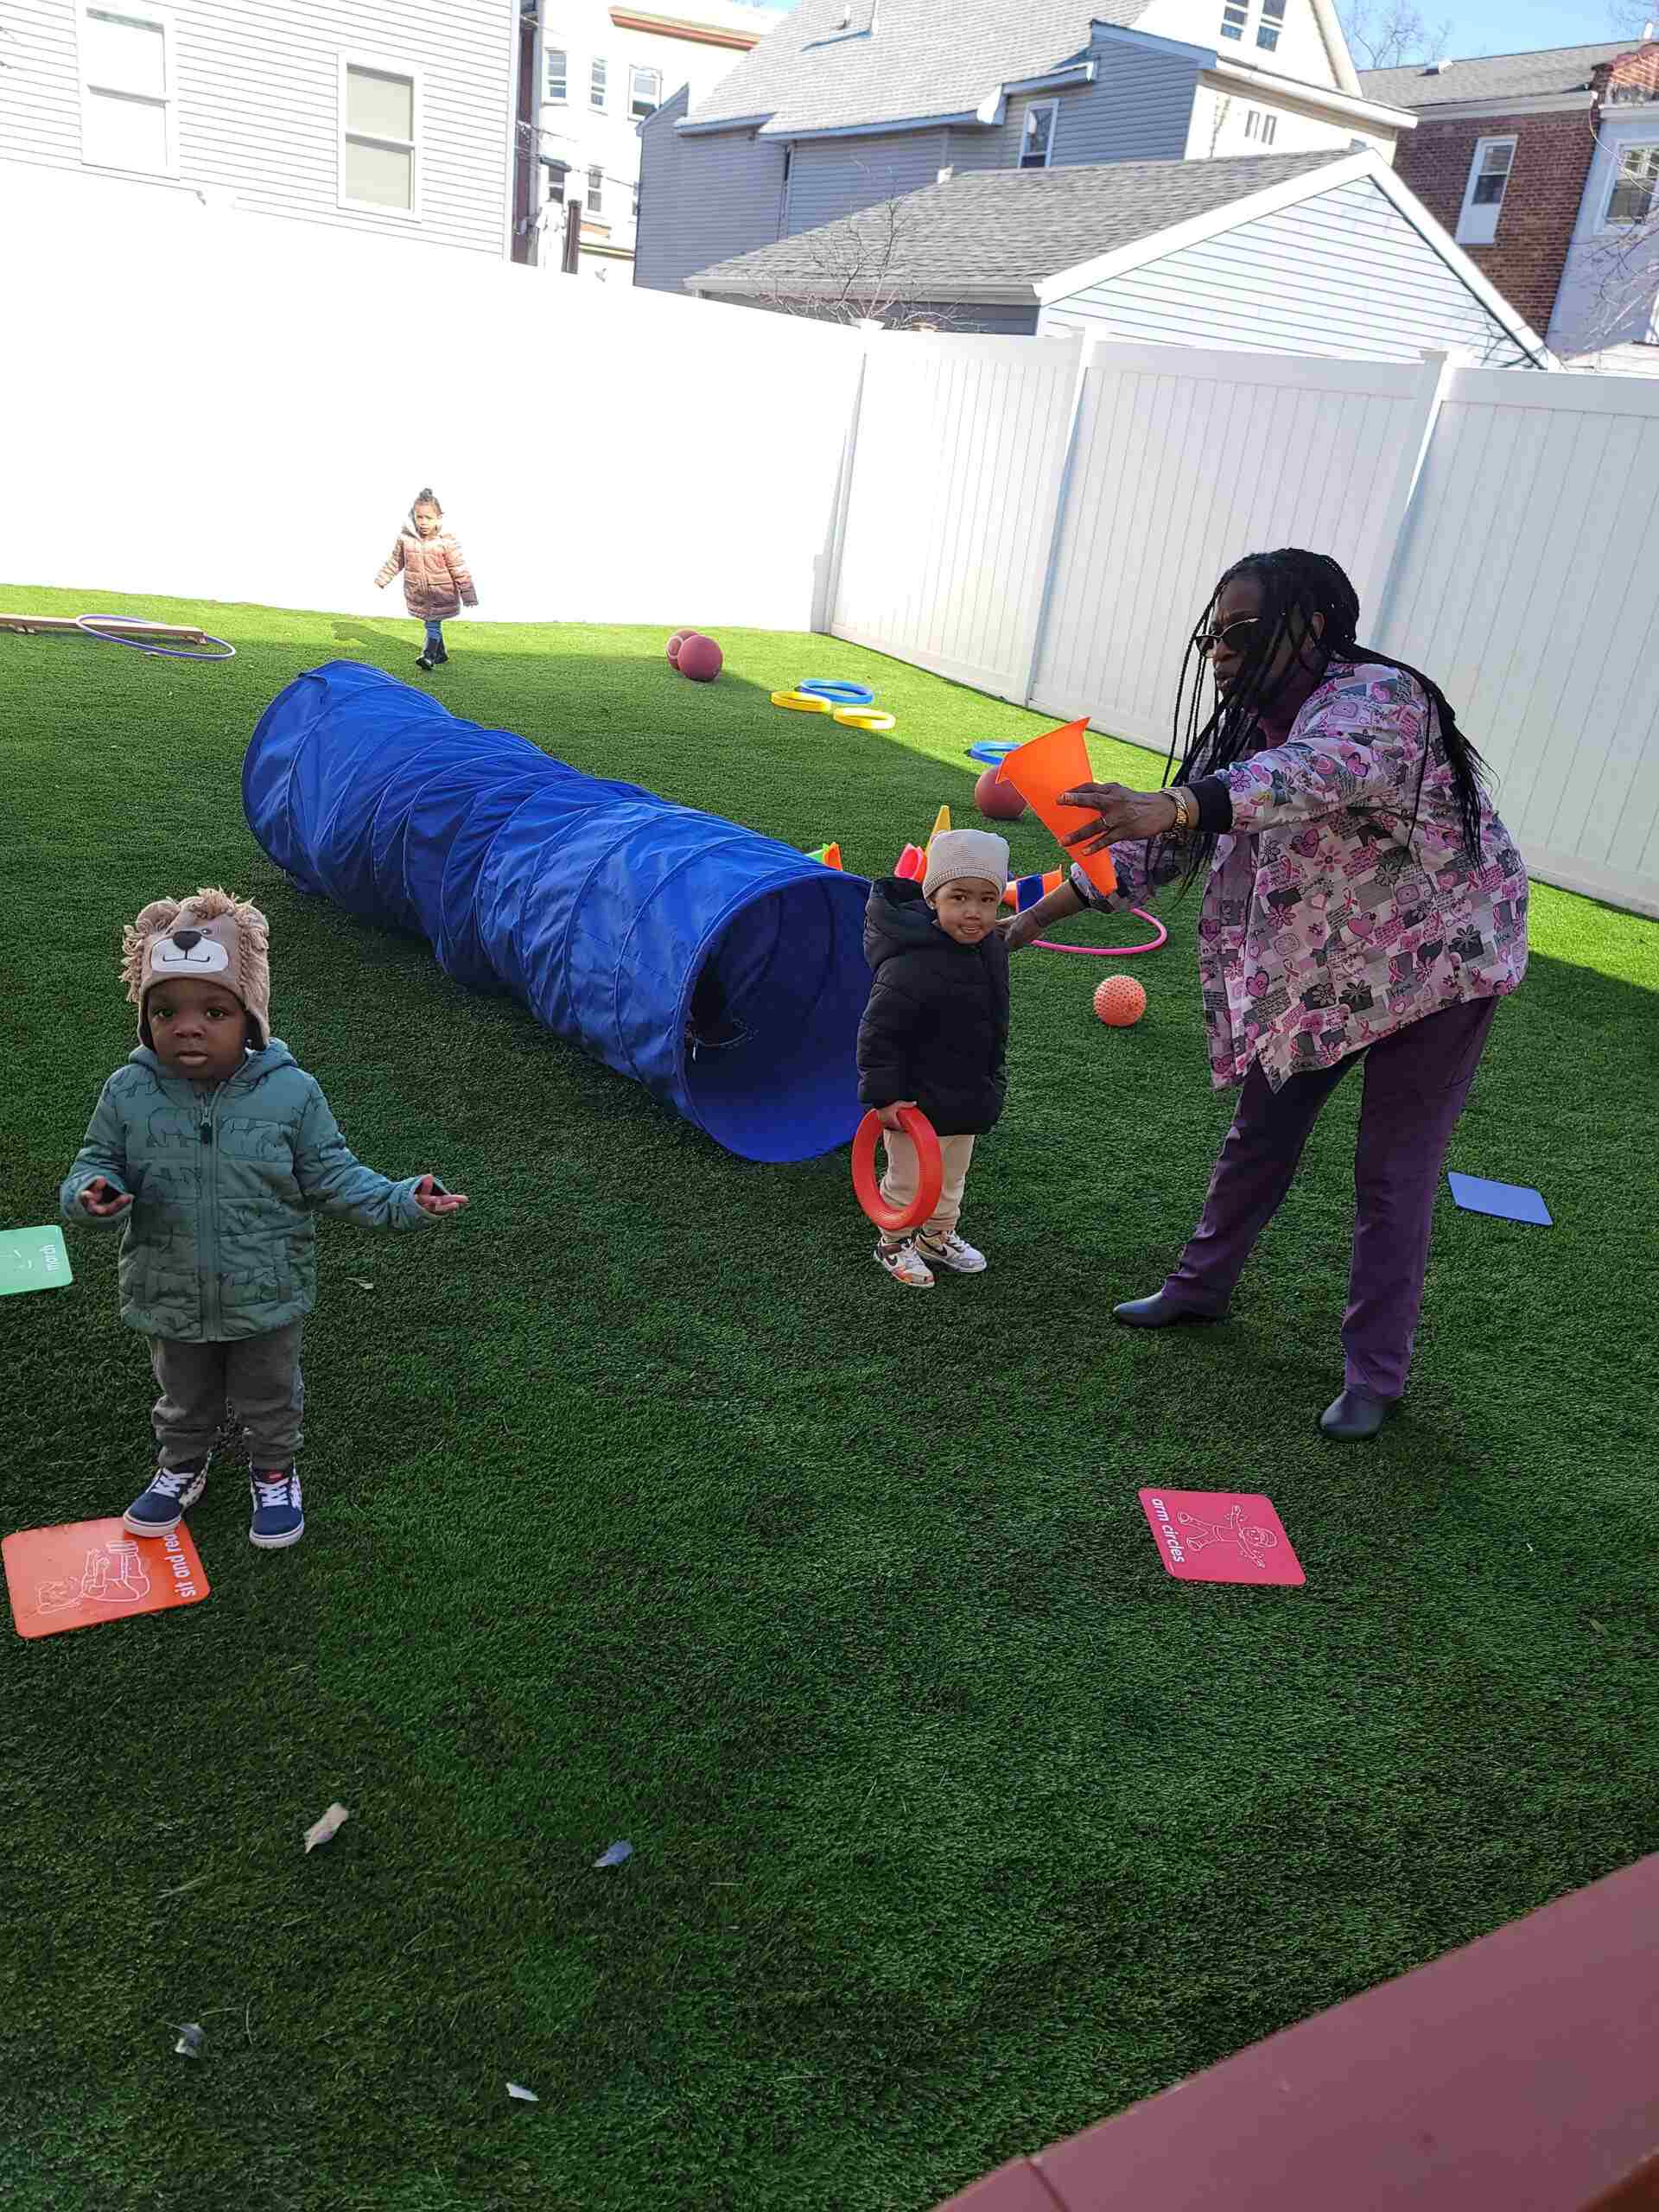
pixel 1119 1000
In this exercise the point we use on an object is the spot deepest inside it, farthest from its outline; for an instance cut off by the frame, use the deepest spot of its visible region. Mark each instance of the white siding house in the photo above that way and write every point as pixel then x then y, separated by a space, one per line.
pixel 601 71
pixel 1607 309
pixel 361 114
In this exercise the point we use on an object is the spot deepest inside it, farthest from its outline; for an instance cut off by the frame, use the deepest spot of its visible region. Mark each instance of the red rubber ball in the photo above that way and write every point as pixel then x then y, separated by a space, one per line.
pixel 700 658
pixel 1119 1000
pixel 997 801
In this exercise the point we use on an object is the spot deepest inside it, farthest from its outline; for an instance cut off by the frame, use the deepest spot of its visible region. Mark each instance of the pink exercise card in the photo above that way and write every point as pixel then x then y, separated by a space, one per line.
pixel 1213 1535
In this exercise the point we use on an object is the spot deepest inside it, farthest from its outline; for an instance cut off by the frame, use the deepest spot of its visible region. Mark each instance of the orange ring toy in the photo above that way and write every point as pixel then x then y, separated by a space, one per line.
pixel 916 1127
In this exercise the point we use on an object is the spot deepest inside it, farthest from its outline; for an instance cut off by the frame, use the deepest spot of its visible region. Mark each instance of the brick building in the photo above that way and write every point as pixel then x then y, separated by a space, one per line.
pixel 1505 147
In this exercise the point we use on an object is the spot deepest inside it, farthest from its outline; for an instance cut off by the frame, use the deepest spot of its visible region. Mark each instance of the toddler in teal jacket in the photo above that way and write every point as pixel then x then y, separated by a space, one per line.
pixel 216 1149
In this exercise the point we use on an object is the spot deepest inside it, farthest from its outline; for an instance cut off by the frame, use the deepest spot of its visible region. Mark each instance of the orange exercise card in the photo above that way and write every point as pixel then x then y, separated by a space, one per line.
pixel 1039 771
pixel 1213 1535
pixel 92 1571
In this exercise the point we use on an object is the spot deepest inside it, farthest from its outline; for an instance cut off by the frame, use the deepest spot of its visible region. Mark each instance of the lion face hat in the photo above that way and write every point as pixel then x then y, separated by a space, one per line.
pixel 212 936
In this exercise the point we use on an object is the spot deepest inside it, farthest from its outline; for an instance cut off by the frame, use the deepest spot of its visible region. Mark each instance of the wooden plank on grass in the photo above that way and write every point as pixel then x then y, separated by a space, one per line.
pixel 58 625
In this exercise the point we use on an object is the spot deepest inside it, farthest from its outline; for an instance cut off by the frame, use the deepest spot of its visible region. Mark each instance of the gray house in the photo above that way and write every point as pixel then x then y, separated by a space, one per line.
pixel 848 103
pixel 1322 254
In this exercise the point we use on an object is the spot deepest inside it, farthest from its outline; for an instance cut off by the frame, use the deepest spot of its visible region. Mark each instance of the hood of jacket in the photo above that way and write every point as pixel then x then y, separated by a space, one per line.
pixel 898 919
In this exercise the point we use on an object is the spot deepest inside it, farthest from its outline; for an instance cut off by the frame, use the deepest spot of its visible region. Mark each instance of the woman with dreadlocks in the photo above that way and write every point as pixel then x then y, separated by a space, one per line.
pixel 1361 897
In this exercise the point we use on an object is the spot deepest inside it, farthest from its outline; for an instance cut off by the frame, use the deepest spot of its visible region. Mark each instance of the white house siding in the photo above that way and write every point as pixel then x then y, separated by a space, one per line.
pixel 1220 126
pixel 1601 302
pixel 832 177
pixel 574 130
pixel 258 105
pixel 1301 50
pixel 1343 274
pixel 703 199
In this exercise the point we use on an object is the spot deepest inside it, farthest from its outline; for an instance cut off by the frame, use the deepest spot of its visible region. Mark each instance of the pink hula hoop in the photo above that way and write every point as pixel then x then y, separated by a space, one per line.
pixel 1110 951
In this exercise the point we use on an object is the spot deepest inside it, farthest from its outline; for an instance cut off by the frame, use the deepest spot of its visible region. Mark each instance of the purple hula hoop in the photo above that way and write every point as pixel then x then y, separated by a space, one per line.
pixel 84 624
pixel 1110 951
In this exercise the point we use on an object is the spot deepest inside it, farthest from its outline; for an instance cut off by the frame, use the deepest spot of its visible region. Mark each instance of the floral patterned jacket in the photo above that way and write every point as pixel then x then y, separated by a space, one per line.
pixel 1325 925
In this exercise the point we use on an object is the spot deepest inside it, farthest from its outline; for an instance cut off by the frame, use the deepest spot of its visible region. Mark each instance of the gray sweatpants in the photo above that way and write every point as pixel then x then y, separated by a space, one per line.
pixel 257 1377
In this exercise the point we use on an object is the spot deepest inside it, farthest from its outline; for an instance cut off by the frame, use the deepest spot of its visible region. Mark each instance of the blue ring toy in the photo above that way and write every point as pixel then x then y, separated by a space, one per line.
pixel 993 751
pixel 844 695
pixel 84 624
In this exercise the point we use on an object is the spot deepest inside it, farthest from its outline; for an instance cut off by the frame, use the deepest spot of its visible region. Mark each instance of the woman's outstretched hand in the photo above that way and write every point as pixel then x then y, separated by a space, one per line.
pixel 1123 814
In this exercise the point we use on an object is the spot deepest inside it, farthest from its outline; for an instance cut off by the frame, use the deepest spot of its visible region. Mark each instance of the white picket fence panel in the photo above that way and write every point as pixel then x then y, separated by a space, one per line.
pixel 1527 586
pixel 956 481
pixel 1046 524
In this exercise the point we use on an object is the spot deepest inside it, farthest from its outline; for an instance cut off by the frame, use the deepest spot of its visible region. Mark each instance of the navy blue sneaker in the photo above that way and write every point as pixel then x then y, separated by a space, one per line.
pixel 278 1519
pixel 171 1492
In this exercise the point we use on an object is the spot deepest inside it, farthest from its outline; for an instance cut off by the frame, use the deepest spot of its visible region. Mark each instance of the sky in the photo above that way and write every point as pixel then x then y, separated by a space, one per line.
pixel 1503 27
pixel 1478 26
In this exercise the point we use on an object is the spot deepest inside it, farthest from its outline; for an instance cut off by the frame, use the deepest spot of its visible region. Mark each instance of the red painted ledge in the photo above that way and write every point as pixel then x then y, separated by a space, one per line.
pixel 1520 2074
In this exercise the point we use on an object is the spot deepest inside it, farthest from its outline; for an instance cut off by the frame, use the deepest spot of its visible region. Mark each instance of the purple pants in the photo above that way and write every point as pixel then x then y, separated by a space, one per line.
pixel 1415 1083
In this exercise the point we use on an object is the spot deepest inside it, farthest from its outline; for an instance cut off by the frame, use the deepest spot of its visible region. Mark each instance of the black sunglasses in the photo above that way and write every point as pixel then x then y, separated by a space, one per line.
pixel 1230 635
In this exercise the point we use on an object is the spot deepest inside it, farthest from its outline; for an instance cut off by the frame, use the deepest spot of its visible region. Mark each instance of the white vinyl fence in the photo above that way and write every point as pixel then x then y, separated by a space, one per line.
pixel 211 404
pixel 1494 522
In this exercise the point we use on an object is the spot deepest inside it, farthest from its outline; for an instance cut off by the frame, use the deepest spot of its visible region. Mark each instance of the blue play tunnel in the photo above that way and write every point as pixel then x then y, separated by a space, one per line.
pixel 617 917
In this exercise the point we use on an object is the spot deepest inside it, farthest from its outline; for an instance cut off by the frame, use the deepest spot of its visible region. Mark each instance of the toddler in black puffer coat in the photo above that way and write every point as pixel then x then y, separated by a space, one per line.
pixel 935 1033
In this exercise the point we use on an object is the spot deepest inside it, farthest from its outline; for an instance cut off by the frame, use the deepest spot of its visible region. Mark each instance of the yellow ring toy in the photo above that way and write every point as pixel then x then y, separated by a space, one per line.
pixel 802 702
pixel 865 718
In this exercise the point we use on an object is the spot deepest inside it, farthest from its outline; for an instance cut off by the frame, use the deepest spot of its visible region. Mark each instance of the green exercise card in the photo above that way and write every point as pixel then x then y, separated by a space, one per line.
pixel 33 1259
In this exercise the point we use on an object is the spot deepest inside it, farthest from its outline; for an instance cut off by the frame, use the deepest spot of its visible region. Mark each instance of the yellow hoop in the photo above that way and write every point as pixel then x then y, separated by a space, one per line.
pixel 865 718
pixel 802 702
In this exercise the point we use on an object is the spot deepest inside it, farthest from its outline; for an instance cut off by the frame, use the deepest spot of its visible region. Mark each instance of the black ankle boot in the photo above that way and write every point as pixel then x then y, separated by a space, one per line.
pixel 1353 1418
pixel 1158 1312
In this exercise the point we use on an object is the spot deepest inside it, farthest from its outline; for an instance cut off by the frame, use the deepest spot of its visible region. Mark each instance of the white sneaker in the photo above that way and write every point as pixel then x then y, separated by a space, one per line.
pixel 906 1265
pixel 955 1252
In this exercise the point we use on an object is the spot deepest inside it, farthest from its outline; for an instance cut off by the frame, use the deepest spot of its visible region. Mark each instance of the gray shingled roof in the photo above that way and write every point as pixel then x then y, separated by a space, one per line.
pixel 925 58
pixel 1492 77
pixel 997 230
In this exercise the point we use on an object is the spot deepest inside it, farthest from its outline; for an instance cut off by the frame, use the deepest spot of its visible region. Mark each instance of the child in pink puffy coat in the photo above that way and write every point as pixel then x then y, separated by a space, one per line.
pixel 437 583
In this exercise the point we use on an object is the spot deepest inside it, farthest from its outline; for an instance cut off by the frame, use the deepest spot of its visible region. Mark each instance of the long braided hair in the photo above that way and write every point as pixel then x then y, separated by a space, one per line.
pixel 1295 586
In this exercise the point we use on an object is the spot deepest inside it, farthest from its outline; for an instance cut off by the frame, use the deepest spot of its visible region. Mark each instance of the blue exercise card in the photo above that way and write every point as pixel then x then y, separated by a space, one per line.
pixel 1508 1201
pixel 33 1259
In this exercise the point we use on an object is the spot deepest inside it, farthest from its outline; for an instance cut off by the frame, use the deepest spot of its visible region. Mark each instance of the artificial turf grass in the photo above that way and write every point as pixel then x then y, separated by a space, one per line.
pixel 643 1506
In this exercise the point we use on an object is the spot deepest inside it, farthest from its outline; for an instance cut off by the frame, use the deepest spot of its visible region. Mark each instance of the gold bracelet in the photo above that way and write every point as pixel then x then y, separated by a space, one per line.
pixel 1185 814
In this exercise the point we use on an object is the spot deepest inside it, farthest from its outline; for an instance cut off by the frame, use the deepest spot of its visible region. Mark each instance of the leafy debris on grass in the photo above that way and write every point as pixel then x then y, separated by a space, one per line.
pixel 525 2096
pixel 190 2038
pixel 614 1856
pixel 321 1831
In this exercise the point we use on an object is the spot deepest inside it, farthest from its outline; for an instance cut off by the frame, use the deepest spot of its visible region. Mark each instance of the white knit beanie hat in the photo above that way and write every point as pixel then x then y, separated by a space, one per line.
pixel 955 854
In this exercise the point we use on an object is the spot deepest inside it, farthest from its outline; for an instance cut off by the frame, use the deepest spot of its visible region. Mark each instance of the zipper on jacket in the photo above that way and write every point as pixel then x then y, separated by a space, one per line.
pixel 209 1138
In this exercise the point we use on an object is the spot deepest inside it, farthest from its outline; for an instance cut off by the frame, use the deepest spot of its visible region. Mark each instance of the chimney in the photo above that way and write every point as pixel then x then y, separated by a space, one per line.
pixel 1438 68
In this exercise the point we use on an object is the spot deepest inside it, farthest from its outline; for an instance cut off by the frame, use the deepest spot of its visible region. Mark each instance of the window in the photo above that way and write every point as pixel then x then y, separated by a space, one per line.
pixel 1483 199
pixel 598 85
pixel 595 191
pixel 1235 18
pixel 1631 198
pixel 1260 125
pixel 644 93
pixel 128 117
pixel 378 133
pixel 1271 23
pixel 558 74
pixel 1037 142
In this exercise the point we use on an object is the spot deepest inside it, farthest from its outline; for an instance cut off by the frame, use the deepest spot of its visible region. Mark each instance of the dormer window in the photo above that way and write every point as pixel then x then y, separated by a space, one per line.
pixel 1235 19
pixel 1037 142
pixel 1271 23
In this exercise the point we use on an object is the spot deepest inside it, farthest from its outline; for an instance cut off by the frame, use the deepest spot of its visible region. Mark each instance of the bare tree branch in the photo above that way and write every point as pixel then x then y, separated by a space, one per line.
pixel 1388 34
pixel 855 271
